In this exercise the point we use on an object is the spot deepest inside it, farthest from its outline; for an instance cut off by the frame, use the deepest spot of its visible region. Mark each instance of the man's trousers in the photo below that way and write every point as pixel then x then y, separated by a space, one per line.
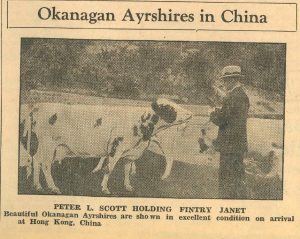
pixel 232 176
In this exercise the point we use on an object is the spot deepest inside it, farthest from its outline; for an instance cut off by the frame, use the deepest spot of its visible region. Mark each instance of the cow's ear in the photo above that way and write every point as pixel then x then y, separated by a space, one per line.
pixel 155 107
pixel 52 119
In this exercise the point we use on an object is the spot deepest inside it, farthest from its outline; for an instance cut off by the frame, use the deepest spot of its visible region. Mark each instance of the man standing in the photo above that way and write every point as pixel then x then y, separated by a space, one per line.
pixel 232 135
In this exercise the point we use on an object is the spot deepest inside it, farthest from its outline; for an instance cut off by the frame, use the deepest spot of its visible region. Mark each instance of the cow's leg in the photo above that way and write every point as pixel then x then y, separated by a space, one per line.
pixel 45 157
pixel 26 159
pixel 104 183
pixel 169 164
pixel 128 166
pixel 111 164
pixel 99 165
pixel 49 179
pixel 36 175
pixel 169 156
pixel 133 169
pixel 117 150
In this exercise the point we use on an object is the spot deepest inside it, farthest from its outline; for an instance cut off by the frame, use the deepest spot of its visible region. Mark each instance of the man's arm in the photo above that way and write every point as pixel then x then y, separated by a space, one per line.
pixel 233 107
pixel 220 116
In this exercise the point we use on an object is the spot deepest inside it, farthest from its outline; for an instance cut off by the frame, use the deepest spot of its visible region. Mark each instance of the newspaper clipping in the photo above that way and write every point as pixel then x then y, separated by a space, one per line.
pixel 149 119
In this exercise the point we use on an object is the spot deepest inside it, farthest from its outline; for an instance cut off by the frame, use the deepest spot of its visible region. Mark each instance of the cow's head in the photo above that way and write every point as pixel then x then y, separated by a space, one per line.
pixel 170 113
pixel 164 113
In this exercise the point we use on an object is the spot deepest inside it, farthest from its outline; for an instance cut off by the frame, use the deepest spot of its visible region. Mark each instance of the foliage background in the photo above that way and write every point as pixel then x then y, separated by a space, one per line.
pixel 184 71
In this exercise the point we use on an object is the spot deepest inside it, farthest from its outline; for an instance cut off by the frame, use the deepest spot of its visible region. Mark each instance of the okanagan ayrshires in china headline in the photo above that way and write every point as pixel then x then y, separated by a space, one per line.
pixel 160 15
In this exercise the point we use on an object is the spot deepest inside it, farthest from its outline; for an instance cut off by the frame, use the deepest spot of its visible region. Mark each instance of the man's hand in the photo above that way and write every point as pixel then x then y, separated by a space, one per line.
pixel 219 92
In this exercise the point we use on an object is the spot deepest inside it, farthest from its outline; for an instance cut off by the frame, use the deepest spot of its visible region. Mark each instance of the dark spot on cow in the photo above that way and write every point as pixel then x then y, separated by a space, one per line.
pixel 145 118
pixel 114 146
pixel 166 112
pixel 155 106
pixel 98 123
pixel 34 144
pixel 23 139
pixel 135 131
pixel 120 139
pixel 271 154
pixel 22 126
pixel 147 129
pixel 155 118
pixel 52 119
pixel 56 138
pixel 277 146
pixel 35 109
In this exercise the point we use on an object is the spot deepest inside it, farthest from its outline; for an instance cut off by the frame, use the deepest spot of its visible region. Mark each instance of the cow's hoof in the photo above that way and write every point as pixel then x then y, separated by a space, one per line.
pixel 95 170
pixel 106 191
pixel 38 189
pixel 164 177
pixel 129 188
pixel 55 190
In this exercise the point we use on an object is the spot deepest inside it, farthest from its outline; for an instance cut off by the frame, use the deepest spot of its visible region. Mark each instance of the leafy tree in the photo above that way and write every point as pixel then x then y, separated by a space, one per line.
pixel 141 69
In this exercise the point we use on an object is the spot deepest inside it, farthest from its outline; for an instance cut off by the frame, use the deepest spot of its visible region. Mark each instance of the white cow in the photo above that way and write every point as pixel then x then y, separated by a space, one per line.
pixel 108 132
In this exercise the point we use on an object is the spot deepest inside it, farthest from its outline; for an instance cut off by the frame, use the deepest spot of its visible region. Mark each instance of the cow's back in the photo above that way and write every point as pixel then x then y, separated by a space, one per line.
pixel 86 129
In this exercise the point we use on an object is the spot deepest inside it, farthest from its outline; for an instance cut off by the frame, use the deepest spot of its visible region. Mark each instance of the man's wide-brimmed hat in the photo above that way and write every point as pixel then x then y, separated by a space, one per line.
pixel 231 71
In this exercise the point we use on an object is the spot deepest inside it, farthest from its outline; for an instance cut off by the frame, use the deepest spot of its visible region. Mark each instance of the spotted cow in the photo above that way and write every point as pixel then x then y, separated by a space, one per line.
pixel 52 131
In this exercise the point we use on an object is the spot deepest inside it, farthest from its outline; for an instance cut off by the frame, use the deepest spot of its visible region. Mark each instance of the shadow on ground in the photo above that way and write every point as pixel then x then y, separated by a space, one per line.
pixel 74 177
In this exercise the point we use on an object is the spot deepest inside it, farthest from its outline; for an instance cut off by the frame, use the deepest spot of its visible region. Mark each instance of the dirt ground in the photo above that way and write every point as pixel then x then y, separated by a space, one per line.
pixel 187 181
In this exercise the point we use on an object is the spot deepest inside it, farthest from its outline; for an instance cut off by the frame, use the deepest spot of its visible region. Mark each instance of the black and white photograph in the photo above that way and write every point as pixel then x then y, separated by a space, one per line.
pixel 152 119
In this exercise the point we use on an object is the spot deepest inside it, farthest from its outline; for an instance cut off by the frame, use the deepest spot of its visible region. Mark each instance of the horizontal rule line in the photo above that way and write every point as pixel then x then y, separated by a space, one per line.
pixel 153 29
pixel 172 1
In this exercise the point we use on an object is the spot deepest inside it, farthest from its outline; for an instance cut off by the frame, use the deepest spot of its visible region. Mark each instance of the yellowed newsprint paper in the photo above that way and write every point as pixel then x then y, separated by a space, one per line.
pixel 150 119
